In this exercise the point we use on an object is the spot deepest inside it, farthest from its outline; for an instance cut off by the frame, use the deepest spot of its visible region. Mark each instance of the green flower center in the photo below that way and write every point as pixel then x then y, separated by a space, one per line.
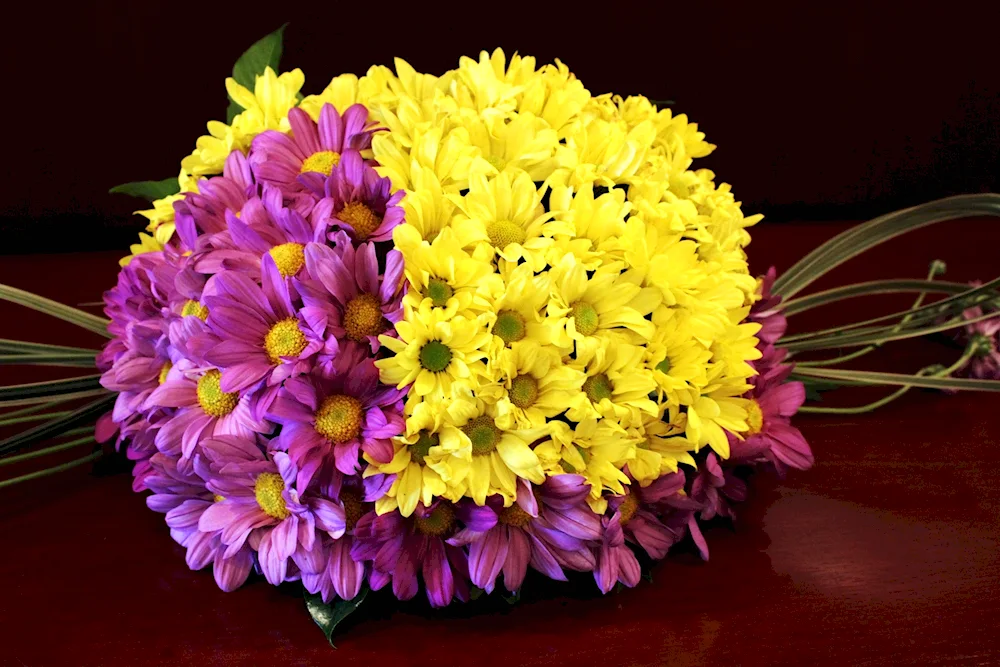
pixel 435 356
pixel 510 326
pixel 598 387
pixel 363 318
pixel 192 307
pixel 211 398
pixel 503 232
pixel 664 366
pixel 438 522
pixel 483 434
pixel 288 257
pixel 497 162
pixel 438 291
pixel 585 316
pixel 514 516
pixel 322 162
pixel 420 449
pixel 523 391
pixel 268 489
pixel 339 418
pixel 285 339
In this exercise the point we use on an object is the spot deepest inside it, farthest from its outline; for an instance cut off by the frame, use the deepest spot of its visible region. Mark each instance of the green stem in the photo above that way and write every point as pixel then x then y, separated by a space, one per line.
pixel 85 320
pixel 51 471
pixel 27 347
pixel 31 418
pixel 50 387
pixel 45 400
pixel 8 460
pixel 64 360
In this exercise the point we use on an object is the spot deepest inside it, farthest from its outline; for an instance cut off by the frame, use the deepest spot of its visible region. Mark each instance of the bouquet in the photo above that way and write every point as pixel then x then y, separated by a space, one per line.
pixel 426 333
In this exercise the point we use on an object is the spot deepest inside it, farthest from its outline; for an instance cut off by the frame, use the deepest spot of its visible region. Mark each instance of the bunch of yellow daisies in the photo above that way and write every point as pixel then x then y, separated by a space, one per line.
pixel 576 292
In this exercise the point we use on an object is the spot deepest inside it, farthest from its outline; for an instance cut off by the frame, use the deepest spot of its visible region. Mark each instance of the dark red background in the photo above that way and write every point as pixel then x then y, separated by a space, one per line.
pixel 821 110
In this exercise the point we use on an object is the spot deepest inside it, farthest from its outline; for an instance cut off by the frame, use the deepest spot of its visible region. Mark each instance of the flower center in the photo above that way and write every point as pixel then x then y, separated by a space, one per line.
pixel 585 316
pixel 285 339
pixel 438 291
pixel 339 418
pixel 664 366
pixel 361 218
pixel 510 326
pixel 435 356
pixel 192 307
pixel 497 162
pixel 322 162
pixel 163 372
pixel 288 257
pixel 211 398
pixel 420 449
pixel 502 233
pixel 268 489
pixel 363 317
pixel 755 418
pixel 216 498
pixel 354 509
pixel 523 391
pixel 483 433
pixel 598 387
pixel 438 522
pixel 628 508
pixel 514 516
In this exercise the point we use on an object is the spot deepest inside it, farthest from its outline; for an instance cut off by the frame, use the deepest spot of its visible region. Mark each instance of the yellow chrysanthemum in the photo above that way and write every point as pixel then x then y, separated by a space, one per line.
pixel 517 307
pixel 617 386
pixel 712 414
pixel 597 223
pixel 523 142
pixel 660 449
pixel 146 244
pixel 445 278
pixel 678 364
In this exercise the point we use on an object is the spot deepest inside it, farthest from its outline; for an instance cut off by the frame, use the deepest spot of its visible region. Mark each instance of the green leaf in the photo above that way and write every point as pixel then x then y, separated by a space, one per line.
pixel 149 190
pixel 328 616
pixel 510 598
pixel 265 52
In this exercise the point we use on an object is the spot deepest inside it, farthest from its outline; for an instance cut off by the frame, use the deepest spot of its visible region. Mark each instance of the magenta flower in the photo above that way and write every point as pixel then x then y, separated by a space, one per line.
pixel 984 336
pixel 547 527
pixel 399 546
pixel 349 294
pixel 766 311
pixel 341 575
pixel 714 488
pixel 329 420
pixel 260 336
pixel 310 153
pixel 261 506
pixel 356 199
pixel 205 211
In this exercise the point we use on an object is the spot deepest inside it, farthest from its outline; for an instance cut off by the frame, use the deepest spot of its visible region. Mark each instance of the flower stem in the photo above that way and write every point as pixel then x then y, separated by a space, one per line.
pixel 51 471
pixel 7 460
pixel 31 418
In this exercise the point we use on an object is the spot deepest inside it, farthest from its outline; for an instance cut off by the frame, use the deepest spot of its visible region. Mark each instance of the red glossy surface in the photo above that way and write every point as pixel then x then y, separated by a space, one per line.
pixel 887 552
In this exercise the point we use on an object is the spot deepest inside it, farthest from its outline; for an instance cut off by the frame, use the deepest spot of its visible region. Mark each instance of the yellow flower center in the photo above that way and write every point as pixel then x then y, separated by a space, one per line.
pixel 497 162
pixel 216 498
pixel 664 366
pixel 288 257
pixel 285 339
pixel 339 418
pixel 363 318
pixel 585 316
pixel 211 398
pixel 502 233
pixel 420 449
pixel 322 162
pixel 514 516
pixel 438 522
pixel 192 307
pixel 435 356
pixel 483 434
pixel 354 509
pixel 755 418
pixel 438 291
pixel 523 391
pixel 163 372
pixel 361 218
pixel 510 326
pixel 268 489
pixel 628 508
pixel 598 387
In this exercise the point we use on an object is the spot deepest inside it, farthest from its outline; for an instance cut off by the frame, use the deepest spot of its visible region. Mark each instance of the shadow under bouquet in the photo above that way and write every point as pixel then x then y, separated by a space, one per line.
pixel 428 333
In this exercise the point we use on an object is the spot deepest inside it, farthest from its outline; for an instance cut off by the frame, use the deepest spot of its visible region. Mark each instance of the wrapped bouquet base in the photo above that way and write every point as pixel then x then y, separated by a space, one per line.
pixel 429 333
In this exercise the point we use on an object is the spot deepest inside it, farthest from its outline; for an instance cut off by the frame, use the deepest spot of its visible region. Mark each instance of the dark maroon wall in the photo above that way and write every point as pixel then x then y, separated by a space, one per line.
pixel 837 112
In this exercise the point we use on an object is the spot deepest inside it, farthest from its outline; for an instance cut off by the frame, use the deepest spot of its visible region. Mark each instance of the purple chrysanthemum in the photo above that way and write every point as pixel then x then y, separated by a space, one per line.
pixel 201 215
pixel 765 311
pixel 311 152
pixel 356 199
pixel 714 487
pixel 984 337
pixel 261 506
pixel 398 547
pixel 547 527
pixel 329 420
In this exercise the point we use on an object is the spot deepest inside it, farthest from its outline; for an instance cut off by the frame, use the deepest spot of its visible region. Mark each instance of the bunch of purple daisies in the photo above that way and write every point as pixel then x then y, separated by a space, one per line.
pixel 243 358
